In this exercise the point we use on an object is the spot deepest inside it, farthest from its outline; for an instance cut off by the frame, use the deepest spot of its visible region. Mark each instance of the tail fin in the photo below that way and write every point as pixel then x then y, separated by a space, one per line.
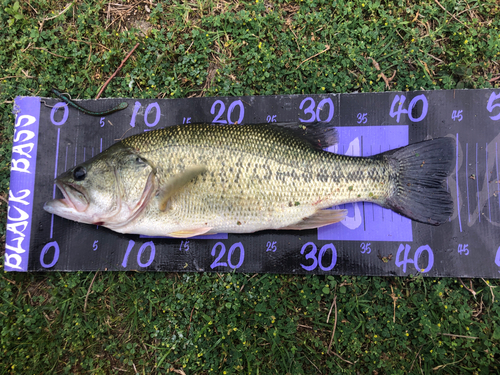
pixel 421 169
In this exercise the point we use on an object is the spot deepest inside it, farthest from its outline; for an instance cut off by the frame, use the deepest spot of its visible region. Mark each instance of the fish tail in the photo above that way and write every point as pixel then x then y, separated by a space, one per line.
pixel 420 172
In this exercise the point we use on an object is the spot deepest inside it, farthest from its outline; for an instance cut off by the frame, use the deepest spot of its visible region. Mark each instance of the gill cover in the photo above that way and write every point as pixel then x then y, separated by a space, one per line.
pixel 110 189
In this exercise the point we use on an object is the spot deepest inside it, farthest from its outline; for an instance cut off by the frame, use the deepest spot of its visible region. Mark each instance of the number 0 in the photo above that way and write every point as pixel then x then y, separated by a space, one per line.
pixel 431 258
pixel 231 251
pixel 331 110
pixel 238 103
pixel 45 249
pixel 151 245
pixel 322 252
pixel 424 108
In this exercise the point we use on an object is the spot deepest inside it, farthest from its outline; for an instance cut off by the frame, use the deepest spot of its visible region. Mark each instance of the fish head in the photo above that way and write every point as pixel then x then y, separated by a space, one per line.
pixel 110 189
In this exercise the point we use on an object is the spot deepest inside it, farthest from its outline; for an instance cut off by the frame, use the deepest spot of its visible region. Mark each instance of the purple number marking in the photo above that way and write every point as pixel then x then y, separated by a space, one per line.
pixel 498 178
pixel 271 246
pixel 424 108
pixel 45 250
pixel 458 191
pixel 366 221
pixel 308 110
pixel 477 186
pixel 230 253
pixel 270 118
pixel 65 114
pixel 315 115
pixel 55 175
pixel 463 248
pixel 151 245
pixel 431 258
pixel 319 259
pixel 366 248
pixel 362 119
pixel 230 111
pixel 137 105
pixel 130 246
pixel 467 178
pixel 487 182
pixel 310 255
pixel 222 108
pixel 158 115
pixel 216 262
pixel 400 110
pixel 414 261
pixel 397 113
pixel 220 113
pixel 331 109
pixel 405 260
pixel 334 256
pixel 490 105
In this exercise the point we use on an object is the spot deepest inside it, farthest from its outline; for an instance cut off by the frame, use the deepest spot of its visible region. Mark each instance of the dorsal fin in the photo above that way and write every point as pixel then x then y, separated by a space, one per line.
pixel 319 134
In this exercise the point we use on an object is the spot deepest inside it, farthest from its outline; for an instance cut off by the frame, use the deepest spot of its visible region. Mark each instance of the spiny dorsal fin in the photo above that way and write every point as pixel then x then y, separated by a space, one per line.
pixel 178 182
pixel 319 219
pixel 319 134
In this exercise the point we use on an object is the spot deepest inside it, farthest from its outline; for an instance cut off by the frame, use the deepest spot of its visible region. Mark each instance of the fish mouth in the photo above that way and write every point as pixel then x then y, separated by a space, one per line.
pixel 74 196
pixel 75 200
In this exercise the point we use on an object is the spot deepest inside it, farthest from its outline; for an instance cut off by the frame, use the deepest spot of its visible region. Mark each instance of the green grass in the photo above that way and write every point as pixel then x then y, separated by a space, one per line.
pixel 234 323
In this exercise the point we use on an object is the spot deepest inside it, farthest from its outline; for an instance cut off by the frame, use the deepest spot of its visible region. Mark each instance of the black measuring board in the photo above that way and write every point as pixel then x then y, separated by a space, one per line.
pixel 51 137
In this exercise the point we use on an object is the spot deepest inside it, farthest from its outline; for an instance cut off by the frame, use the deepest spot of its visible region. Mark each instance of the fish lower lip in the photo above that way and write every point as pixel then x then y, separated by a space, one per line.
pixel 75 203
pixel 66 201
pixel 51 206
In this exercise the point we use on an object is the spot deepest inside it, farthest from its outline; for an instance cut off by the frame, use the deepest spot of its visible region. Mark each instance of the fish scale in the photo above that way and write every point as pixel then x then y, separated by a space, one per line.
pixel 275 181
pixel 194 179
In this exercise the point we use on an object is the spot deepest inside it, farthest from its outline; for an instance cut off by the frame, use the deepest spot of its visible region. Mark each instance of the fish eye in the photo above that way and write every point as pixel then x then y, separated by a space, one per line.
pixel 79 173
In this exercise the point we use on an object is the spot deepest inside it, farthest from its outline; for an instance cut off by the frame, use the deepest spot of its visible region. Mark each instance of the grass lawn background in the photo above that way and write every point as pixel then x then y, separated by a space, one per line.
pixel 126 322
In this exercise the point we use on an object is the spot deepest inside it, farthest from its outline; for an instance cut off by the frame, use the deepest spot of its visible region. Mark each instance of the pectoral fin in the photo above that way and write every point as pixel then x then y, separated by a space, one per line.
pixel 319 219
pixel 189 232
pixel 176 183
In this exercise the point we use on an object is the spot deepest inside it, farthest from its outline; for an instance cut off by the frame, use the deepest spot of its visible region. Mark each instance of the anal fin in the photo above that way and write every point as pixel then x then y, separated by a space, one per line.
pixel 319 219
pixel 189 232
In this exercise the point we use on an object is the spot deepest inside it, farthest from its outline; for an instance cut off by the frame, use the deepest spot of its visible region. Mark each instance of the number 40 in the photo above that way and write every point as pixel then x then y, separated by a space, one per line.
pixel 397 107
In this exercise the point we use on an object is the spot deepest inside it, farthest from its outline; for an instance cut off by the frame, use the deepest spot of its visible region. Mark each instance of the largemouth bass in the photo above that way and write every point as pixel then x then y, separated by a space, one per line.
pixel 194 179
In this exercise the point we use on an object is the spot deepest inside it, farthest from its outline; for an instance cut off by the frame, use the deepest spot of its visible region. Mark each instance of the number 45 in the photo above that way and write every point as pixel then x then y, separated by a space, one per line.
pixel 457 115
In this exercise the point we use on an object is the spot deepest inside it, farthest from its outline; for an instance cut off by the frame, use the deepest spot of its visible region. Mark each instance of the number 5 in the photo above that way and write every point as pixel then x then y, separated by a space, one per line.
pixel 490 105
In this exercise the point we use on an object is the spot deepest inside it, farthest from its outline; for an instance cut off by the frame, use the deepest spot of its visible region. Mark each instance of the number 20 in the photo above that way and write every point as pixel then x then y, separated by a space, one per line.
pixel 217 263
pixel 222 108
